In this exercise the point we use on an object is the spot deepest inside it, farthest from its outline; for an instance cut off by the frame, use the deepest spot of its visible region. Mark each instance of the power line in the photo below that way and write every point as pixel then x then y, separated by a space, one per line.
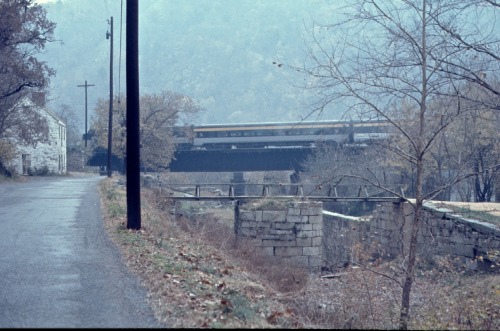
pixel 106 5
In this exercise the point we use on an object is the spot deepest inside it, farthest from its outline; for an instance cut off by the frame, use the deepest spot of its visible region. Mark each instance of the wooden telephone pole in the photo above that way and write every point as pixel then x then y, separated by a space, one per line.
pixel 86 85
pixel 133 134
pixel 109 35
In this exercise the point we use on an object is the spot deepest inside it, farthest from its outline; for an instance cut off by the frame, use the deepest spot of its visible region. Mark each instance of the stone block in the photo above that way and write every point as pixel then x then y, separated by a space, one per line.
pixel 287 237
pixel 304 242
pixel 275 243
pixel 311 211
pixel 247 216
pixel 317 226
pixel 465 250
pixel 284 226
pixel 297 219
pixel 278 232
pixel 262 232
pixel 258 215
pixel 268 236
pixel 273 216
pixel 315 219
pixel 246 232
pixel 446 249
pixel 306 234
pixel 266 225
pixel 316 241
pixel 302 205
pixel 303 227
pixel 293 211
pixel 311 250
pixel 288 251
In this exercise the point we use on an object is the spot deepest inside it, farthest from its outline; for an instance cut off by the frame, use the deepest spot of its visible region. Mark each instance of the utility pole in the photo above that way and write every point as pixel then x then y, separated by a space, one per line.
pixel 86 85
pixel 109 35
pixel 133 133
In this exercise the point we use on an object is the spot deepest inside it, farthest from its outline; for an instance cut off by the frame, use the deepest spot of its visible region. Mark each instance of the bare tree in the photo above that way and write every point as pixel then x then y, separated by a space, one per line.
pixel 399 61
pixel 474 141
pixel 160 113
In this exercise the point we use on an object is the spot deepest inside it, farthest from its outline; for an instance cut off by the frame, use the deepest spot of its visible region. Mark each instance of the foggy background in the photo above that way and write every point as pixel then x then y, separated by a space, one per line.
pixel 219 52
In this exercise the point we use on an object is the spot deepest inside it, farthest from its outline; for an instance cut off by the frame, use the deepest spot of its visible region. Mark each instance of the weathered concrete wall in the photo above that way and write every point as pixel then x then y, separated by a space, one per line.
pixel 293 234
pixel 386 233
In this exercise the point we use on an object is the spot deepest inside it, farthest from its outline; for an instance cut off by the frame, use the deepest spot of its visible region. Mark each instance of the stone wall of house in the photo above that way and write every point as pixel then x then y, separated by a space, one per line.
pixel 51 156
pixel 291 235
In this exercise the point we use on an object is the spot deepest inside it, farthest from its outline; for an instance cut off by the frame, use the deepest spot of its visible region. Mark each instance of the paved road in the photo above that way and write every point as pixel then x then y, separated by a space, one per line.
pixel 58 269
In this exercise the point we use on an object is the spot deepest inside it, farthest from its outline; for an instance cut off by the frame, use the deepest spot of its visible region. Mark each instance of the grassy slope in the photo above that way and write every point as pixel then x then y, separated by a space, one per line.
pixel 199 276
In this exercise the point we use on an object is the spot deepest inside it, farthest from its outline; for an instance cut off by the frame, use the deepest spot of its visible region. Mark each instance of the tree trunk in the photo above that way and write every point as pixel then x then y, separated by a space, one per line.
pixel 410 270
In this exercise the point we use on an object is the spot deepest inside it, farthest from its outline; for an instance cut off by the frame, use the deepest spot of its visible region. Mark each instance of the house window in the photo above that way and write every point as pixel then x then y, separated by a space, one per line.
pixel 26 158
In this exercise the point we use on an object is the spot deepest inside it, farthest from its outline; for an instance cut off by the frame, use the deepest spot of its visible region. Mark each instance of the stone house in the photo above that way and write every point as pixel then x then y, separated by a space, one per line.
pixel 44 158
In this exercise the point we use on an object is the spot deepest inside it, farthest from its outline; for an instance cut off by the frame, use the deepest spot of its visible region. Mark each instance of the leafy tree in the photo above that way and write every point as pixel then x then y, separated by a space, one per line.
pixel 159 113
pixel 401 61
pixel 24 31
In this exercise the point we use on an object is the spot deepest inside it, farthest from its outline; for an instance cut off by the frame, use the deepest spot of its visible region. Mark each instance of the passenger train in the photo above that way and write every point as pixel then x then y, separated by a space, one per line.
pixel 278 134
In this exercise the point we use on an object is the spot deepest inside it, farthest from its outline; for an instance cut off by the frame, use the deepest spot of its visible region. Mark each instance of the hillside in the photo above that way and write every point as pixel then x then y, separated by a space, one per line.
pixel 218 52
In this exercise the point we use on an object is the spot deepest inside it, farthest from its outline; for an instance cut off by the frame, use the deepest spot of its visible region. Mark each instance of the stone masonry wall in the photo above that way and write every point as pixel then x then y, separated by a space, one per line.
pixel 384 234
pixel 303 234
pixel 292 235
pixel 51 154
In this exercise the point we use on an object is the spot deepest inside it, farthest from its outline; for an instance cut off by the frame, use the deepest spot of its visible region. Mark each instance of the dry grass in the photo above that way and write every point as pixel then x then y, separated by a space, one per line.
pixel 199 275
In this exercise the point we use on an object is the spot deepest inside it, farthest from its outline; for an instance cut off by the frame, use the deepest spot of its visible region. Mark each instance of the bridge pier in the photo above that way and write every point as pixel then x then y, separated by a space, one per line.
pixel 239 184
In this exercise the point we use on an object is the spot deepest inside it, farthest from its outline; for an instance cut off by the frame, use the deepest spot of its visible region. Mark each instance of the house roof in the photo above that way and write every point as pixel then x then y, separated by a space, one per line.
pixel 28 102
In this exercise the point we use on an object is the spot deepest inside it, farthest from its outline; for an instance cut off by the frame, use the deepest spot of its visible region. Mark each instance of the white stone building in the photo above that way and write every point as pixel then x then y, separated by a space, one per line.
pixel 44 158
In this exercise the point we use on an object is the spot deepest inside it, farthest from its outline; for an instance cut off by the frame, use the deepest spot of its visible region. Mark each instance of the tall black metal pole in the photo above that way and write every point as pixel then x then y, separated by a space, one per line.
pixel 86 131
pixel 110 121
pixel 133 136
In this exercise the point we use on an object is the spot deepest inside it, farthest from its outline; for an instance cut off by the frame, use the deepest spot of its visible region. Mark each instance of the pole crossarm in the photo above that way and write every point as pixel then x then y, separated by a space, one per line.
pixel 86 86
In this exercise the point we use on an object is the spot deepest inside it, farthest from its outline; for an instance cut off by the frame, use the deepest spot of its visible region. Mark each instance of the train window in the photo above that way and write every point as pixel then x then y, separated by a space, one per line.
pixel 234 133
pixel 328 131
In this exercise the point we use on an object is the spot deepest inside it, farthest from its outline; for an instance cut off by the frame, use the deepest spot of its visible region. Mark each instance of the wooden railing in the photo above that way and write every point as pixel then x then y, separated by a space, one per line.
pixel 277 191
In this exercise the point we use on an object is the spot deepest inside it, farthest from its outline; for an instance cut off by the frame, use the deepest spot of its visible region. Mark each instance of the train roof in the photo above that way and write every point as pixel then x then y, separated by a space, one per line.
pixel 268 125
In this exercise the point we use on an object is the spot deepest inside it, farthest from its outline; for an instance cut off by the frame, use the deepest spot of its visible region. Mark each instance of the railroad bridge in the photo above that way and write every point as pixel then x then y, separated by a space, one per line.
pixel 258 147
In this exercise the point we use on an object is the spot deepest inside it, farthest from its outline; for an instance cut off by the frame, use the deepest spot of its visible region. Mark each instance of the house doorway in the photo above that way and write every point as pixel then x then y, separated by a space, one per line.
pixel 26 163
